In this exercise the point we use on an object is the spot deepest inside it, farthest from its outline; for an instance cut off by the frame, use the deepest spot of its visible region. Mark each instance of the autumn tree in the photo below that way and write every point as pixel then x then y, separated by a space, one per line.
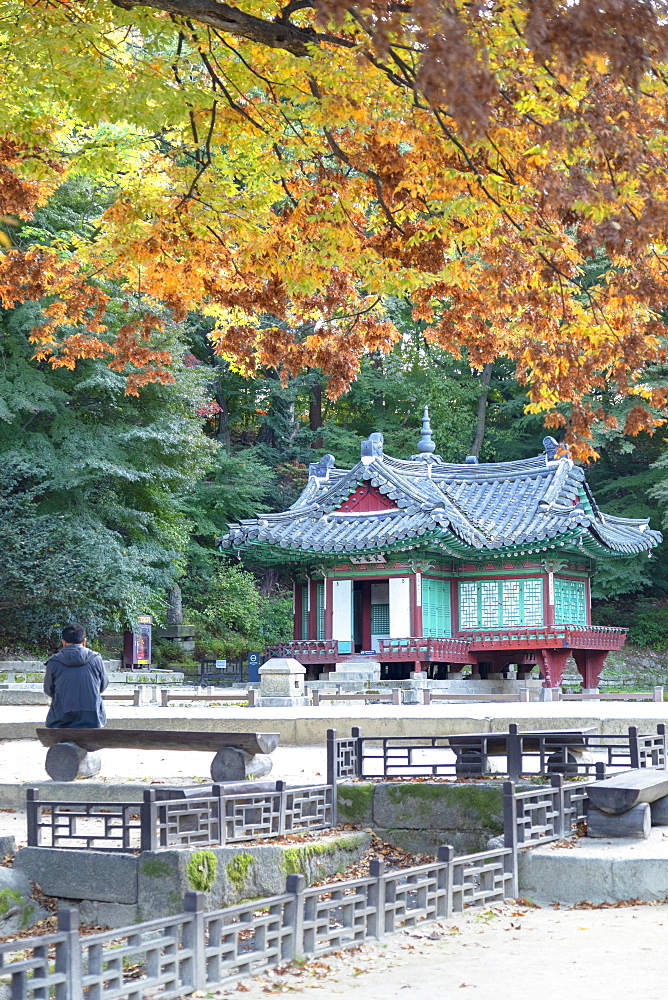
pixel 287 168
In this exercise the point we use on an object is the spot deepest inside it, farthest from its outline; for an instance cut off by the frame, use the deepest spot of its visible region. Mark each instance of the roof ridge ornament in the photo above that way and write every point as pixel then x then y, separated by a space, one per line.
pixel 554 450
pixel 426 444
pixel 372 448
pixel 321 468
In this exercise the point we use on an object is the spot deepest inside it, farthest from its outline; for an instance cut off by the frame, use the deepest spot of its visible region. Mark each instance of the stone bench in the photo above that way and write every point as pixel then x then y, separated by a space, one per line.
pixel 74 753
pixel 628 804
pixel 564 749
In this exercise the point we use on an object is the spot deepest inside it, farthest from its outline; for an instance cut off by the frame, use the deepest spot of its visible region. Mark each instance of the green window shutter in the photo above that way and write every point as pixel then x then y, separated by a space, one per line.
pixel 320 608
pixel 570 602
pixel 380 619
pixel 305 611
pixel 500 604
pixel 436 607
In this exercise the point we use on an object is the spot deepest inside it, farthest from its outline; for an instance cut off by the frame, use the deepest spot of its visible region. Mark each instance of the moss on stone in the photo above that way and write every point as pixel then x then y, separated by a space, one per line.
pixel 201 870
pixel 27 916
pixel 156 868
pixel 296 859
pixel 355 803
pixel 10 899
pixel 473 806
pixel 237 870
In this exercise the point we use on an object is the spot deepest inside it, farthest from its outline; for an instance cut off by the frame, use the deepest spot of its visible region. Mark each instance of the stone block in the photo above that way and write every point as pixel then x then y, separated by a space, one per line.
pixel 597 870
pixel 78 874
pixel 437 806
pixel 634 823
pixel 355 803
pixel 429 841
pixel 282 683
pixel 119 889
pixel 659 811
pixel 17 910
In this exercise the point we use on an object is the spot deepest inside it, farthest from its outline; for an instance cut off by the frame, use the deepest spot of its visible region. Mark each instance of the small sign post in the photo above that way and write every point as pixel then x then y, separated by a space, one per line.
pixel 137 644
pixel 254 668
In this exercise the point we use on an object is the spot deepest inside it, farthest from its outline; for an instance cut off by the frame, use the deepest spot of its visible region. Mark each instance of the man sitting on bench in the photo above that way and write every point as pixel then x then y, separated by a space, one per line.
pixel 75 679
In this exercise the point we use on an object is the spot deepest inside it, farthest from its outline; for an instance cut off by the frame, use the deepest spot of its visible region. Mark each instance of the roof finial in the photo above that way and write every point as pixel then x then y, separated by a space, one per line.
pixel 426 445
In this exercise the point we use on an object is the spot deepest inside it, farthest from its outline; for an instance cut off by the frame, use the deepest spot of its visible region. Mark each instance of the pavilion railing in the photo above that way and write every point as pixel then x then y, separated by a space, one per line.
pixel 467 755
pixel 446 649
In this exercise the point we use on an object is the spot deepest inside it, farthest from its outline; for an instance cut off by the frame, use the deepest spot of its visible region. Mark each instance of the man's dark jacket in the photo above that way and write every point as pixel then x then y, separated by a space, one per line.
pixel 75 679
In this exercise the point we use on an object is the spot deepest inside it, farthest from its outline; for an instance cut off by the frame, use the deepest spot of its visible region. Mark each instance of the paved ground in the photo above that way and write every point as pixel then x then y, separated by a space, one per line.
pixel 308 726
pixel 503 953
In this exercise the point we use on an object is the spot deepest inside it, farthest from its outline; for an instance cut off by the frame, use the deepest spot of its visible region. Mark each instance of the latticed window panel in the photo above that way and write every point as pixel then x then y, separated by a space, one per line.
pixel 511 606
pixel 320 609
pixel 532 602
pixel 380 619
pixel 468 605
pixel 570 602
pixel 436 607
pixel 500 604
pixel 489 604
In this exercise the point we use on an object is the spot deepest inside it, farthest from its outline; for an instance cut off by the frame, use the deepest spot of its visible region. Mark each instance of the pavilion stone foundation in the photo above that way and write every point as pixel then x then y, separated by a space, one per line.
pixel 117 889
pixel 355 671
pixel 282 684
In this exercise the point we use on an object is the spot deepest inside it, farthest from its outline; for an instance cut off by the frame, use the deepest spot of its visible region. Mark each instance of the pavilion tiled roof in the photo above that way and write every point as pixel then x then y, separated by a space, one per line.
pixel 461 510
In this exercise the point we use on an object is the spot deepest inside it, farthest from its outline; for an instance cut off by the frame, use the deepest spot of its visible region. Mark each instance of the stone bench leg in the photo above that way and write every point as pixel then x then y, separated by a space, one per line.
pixel 634 823
pixel 67 761
pixel 232 764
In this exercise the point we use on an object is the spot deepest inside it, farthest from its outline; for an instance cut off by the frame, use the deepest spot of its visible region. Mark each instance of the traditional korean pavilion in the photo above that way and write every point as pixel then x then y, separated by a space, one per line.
pixel 428 565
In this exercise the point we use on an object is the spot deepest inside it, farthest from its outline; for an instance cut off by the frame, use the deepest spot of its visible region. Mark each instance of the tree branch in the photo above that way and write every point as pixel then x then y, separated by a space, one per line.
pixel 275 34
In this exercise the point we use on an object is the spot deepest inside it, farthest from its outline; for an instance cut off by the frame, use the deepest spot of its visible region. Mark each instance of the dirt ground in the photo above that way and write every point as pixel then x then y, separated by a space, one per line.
pixel 508 952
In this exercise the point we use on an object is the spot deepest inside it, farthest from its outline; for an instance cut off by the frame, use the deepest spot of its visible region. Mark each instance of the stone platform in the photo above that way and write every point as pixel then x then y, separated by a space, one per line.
pixel 599 871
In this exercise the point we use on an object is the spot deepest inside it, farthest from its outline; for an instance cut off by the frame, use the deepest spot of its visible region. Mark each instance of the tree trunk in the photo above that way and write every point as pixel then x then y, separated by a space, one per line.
pixel 315 413
pixel 485 379
pixel 269 581
pixel 175 609
pixel 223 432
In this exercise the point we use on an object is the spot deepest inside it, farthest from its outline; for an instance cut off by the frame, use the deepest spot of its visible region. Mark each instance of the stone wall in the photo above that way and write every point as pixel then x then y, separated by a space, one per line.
pixel 117 889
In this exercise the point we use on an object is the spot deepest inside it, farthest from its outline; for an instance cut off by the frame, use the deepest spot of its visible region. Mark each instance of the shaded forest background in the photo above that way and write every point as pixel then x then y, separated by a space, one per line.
pixel 109 500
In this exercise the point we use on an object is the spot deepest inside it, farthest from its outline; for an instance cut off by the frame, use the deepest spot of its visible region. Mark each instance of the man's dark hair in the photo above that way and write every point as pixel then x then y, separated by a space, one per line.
pixel 73 633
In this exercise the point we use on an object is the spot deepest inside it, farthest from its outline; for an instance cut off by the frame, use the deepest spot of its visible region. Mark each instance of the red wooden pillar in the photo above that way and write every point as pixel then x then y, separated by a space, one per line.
pixel 454 607
pixel 366 614
pixel 313 610
pixel 553 665
pixel 416 605
pixel 590 664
